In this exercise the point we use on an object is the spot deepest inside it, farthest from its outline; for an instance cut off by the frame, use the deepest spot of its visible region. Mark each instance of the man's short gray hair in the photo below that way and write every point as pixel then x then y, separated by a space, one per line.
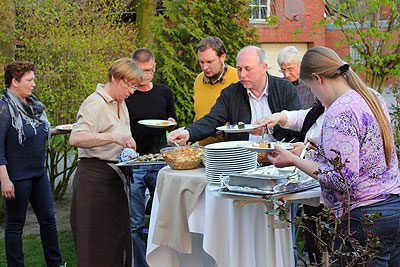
pixel 262 56
pixel 288 55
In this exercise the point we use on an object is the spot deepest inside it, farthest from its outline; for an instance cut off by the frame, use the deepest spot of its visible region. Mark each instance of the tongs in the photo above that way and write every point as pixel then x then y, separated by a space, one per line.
pixel 269 133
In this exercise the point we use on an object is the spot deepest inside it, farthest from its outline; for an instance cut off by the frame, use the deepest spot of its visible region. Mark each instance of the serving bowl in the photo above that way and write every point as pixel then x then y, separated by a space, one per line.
pixel 182 158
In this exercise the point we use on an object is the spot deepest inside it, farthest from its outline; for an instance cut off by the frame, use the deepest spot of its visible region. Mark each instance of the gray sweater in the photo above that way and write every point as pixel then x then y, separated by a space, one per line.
pixel 233 106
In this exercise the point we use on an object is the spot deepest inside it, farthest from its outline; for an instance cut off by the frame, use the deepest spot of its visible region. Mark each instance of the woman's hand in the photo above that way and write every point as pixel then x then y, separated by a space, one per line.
pixel 7 189
pixel 126 141
pixel 282 157
pixel 298 148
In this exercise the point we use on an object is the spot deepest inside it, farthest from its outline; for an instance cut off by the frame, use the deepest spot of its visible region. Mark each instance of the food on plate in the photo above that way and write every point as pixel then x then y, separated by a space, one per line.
pixel 183 158
pixel 65 127
pixel 241 125
pixel 262 157
pixel 265 144
pixel 150 157
pixel 163 123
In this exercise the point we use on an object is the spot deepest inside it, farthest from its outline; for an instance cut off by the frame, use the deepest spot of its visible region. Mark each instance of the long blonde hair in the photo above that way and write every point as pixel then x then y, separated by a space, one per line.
pixel 326 63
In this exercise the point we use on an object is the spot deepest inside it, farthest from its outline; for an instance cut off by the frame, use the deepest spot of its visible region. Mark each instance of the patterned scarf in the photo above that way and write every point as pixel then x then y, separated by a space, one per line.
pixel 33 113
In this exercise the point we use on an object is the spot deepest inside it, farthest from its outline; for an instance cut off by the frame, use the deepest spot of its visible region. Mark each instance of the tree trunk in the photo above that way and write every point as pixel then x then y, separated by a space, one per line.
pixel 7 29
pixel 145 11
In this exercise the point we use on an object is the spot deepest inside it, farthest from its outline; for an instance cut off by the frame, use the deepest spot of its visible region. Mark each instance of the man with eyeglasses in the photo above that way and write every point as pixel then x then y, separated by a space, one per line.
pixel 150 101
pixel 216 75
pixel 289 60
pixel 257 95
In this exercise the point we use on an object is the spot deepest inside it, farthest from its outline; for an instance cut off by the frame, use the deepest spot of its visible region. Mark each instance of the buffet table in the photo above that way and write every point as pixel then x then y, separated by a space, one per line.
pixel 235 230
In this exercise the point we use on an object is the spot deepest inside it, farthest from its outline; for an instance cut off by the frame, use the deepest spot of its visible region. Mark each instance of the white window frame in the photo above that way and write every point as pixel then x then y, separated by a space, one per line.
pixel 259 9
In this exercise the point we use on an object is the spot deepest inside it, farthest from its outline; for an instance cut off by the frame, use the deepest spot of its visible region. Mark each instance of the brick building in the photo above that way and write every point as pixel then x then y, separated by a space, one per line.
pixel 295 27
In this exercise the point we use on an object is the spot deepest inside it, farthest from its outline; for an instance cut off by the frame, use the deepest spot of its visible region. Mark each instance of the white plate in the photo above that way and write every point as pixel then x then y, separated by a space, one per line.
pixel 266 149
pixel 235 129
pixel 227 145
pixel 233 163
pixel 156 123
pixel 212 169
pixel 235 155
pixel 65 127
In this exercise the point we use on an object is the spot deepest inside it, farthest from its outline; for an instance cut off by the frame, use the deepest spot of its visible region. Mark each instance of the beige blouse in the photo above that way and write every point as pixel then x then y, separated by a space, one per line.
pixel 99 114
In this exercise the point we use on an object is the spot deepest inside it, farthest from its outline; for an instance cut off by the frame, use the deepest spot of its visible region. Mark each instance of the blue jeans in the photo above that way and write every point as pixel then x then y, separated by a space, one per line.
pixel 144 176
pixel 36 191
pixel 386 228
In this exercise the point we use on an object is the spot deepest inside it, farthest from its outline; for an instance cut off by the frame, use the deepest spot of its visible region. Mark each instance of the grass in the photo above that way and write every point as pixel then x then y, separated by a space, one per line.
pixel 33 251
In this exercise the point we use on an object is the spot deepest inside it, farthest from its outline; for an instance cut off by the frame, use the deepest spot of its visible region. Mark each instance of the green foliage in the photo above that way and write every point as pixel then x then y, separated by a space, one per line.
pixel 177 33
pixel 372 28
pixel 61 163
pixel 72 45
pixel 7 40
pixel 395 117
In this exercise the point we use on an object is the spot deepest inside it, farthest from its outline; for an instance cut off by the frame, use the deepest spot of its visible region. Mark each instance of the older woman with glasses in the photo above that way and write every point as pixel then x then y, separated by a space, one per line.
pixel 99 210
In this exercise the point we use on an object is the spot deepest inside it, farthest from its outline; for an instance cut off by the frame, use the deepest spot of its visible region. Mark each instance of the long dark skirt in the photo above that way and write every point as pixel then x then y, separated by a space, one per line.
pixel 100 216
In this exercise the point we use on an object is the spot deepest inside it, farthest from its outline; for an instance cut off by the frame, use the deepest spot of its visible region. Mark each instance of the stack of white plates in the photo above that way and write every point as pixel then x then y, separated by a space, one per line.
pixel 229 157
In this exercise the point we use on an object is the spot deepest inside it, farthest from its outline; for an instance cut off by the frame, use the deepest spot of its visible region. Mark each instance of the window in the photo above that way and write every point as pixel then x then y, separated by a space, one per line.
pixel 261 9
pixel 356 57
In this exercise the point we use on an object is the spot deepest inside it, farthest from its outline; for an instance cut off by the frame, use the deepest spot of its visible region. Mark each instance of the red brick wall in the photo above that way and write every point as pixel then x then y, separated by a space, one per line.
pixel 286 28
pixel 333 37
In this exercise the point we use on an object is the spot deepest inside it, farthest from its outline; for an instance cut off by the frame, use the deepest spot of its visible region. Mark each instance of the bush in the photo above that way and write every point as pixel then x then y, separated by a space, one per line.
pixel 72 45
pixel 395 117
pixel 177 33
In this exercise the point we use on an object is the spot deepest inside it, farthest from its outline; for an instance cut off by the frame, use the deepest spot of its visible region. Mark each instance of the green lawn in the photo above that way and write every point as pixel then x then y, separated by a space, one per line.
pixel 33 250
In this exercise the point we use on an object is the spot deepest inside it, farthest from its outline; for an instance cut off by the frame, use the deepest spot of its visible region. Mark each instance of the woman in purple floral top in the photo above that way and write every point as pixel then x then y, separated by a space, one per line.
pixel 357 124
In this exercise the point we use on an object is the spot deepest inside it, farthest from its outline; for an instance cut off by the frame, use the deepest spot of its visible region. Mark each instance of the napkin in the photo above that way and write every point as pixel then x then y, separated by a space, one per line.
pixel 127 154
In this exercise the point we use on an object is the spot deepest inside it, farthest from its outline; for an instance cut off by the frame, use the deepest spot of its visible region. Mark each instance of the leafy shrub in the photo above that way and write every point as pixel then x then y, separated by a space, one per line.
pixel 72 44
pixel 395 117
pixel 177 33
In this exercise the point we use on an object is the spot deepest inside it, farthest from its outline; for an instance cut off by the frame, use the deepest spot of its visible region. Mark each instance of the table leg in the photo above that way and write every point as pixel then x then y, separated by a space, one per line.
pixel 271 236
pixel 286 243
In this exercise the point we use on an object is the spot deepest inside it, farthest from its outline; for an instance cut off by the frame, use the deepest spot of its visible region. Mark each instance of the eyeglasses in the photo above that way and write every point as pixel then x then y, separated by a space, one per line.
pixel 130 86
pixel 149 71
pixel 286 70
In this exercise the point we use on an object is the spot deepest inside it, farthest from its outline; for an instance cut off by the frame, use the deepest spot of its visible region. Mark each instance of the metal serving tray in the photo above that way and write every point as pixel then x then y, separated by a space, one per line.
pixel 265 183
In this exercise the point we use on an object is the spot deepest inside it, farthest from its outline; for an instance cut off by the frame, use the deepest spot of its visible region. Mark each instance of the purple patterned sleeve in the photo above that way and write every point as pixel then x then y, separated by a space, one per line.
pixel 340 132
pixel 351 128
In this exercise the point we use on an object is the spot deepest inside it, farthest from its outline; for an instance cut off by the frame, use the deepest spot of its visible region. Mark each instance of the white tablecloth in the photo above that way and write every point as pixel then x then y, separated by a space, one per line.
pixel 232 236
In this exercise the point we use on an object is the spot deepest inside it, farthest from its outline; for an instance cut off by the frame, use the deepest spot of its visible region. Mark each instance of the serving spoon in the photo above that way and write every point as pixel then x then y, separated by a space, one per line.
pixel 303 153
pixel 180 148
